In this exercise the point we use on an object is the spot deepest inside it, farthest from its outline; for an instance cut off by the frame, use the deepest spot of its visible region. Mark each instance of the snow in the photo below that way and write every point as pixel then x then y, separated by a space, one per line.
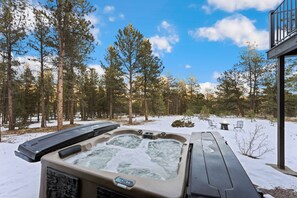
pixel 21 179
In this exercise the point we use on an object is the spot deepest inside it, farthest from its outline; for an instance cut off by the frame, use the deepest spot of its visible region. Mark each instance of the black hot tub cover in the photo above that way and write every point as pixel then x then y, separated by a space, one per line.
pixel 34 149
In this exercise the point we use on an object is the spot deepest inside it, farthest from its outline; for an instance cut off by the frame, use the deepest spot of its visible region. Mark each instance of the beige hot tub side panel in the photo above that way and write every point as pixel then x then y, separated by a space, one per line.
pixel 90 179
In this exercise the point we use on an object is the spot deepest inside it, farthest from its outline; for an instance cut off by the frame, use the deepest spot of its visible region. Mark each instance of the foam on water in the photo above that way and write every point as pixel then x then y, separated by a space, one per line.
pixel 132 155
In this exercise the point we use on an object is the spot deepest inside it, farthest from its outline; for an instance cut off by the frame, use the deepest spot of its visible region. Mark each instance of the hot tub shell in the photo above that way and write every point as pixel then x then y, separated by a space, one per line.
pixel 96 183
pixel 207 166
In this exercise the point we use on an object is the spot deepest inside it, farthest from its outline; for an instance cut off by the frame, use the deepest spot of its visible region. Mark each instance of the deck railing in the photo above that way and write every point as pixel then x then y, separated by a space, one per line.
pixel 283 23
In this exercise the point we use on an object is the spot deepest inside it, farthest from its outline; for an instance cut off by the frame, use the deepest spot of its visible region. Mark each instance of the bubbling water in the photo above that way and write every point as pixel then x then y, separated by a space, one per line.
pixel 132 155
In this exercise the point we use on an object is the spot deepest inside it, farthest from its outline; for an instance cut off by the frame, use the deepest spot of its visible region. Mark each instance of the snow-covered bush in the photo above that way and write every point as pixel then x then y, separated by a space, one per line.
pixel 254 144
pixel 183 123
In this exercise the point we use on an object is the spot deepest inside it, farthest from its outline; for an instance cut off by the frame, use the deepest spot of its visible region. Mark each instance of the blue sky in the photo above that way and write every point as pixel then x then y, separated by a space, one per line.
pixel 201 38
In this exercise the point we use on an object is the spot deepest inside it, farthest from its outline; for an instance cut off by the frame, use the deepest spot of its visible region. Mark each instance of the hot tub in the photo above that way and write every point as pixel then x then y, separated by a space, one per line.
pixel 103 160
pixel 119 163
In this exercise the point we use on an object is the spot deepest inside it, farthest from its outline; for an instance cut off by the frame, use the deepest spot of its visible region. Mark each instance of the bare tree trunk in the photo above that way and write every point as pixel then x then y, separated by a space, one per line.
pixel 254 92
pixel 72 99
pixel 130 109
pixel 81 111
pixel 145 109
pixel 4 110
pixel 60 88
pixel 168 107
pixel 250 86
pixel 71 111
pixel 61 34
pixel 145 102
pixel 60 68
pixel 38 112
pixel 130 97
pixel 111 105
pixel 42 94
pixel 9 90
pixel 66 109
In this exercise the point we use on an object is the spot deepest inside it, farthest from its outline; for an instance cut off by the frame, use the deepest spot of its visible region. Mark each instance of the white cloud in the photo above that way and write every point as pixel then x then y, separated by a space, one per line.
pixel 98 69
pixel 188 66
pixel 111 14
pixel 122 16
pixel 96 34
pixel 95 21
pixel 163 44
pixel 28 61
pixel 160 44
pixel 33 63
pixel 108 9
pixel 29 20
pixel 208 87
pixel 206 9
pixel 233 5
pixel 216 75
pixel 111 19
pixel 237 28
pixel 165 25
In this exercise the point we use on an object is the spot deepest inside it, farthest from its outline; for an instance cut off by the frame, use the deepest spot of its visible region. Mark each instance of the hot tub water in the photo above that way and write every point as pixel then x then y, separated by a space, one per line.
pixel 131 154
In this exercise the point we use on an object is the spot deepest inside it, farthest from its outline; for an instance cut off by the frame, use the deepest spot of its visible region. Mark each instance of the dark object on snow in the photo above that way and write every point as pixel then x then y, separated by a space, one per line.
pixel 224 126
pixel 189 124
pixel 177 123
pixel 182 123
pixel 33 150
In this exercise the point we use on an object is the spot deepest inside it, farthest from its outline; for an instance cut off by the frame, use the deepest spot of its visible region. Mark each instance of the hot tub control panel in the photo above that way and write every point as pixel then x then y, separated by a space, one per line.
pixel 123 182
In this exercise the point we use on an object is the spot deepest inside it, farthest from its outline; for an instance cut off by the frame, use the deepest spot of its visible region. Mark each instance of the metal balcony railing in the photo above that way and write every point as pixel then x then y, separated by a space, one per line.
pixel 283 23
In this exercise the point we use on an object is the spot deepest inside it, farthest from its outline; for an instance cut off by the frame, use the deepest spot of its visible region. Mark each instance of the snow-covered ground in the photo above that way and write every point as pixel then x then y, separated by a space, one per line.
pixel 19 178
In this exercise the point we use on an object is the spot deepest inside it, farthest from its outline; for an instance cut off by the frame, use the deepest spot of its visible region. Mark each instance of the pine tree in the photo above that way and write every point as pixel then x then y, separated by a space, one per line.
pixel 82 93
pixel 68 19
pixel 50 97
pixel 182 97
pixel 12 35
pixel 157 103
pixel 101 99
pixel 128 44
pixel 27 94
pixel 3 92
pixel 290 107
pixel 88 93
pixel 230 92
pixel 291 74
pixel 41 43
pixel 113 78
pixel 93 81
pixel 193 91
pixel 76 54
pixel 149 73
pixel 77 51
pixel 251 65
pixel 269 93
pixel 169 90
